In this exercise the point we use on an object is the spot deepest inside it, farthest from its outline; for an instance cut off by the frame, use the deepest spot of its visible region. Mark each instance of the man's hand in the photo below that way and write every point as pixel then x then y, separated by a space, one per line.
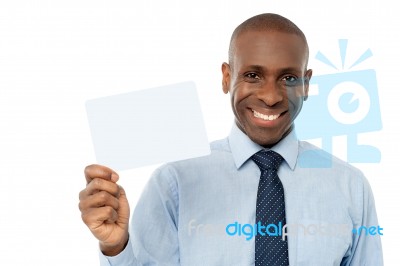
pixel 105 209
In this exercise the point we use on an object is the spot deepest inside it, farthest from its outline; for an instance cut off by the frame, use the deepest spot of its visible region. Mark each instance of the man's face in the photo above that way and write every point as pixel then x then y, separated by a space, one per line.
pixel 267 81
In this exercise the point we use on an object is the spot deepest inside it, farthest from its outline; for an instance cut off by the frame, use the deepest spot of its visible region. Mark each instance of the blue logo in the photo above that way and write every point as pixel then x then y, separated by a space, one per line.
pixel 251 231
pixel 371 230
pixel 277 230
pixel 347 103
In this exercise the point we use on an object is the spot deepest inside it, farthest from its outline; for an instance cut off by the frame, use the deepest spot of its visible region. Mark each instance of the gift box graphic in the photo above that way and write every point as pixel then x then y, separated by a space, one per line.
pixel 347 103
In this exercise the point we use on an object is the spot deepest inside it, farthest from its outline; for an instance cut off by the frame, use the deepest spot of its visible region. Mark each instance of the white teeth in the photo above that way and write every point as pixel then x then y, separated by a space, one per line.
pixel 265 117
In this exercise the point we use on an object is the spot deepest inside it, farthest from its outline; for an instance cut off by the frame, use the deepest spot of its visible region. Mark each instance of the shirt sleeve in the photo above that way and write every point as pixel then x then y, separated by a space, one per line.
pixel 126 257
pixel 153 226
pixel 366 246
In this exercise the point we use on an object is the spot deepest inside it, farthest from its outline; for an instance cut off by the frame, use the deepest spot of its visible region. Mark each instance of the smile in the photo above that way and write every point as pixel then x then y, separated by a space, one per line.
pixel 265 117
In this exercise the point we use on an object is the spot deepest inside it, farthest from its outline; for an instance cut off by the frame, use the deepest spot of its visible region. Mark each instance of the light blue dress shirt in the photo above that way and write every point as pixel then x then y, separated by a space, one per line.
pixel 202 211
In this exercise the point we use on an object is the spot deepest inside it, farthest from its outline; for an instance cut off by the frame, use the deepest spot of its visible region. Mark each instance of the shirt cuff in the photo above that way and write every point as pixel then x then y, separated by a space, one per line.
pixel 125 258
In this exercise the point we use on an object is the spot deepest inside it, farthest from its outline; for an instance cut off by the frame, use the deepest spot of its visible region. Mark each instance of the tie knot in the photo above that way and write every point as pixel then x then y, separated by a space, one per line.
pixel 267 159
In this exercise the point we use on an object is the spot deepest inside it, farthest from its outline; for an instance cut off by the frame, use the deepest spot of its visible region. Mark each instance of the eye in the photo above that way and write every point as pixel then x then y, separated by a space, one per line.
pixel 291 81
pixel 252 76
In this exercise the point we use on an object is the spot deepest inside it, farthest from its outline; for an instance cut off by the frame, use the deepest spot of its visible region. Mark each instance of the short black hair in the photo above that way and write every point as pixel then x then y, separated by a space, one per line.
pixel 266 22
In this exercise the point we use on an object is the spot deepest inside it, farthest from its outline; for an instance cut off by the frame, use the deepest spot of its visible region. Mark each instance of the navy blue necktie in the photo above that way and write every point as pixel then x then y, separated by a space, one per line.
pixel 269 249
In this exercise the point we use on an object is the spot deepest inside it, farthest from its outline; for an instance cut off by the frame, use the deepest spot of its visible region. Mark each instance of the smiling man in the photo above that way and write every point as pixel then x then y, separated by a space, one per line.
pixel 265 78
pixel 251 180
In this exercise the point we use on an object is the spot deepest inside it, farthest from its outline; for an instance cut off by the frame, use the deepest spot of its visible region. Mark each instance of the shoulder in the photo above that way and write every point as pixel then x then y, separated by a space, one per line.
pixel 220 153
pixel 310 156
pixel 322 164
pixel 343 177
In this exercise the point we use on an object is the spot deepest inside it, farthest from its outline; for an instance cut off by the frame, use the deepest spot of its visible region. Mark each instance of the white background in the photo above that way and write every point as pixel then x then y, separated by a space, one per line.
pixel 55 55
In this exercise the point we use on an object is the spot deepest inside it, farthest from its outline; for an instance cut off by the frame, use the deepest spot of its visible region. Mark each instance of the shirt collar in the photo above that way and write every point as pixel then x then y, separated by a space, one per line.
pixel 243 147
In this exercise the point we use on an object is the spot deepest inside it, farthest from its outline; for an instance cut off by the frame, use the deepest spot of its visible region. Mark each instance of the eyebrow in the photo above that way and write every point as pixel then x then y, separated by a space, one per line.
pixel 282 70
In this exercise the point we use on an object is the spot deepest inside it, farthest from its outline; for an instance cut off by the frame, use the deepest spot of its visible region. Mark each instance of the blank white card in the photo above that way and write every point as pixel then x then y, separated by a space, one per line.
pixel 147 127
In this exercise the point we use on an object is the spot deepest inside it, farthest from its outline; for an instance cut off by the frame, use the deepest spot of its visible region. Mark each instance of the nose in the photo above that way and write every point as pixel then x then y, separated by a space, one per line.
pixel 271 93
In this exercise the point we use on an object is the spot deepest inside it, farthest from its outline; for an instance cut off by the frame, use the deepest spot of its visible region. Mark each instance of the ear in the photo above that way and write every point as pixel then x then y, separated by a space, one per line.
pixel 307 78
pixel 226 77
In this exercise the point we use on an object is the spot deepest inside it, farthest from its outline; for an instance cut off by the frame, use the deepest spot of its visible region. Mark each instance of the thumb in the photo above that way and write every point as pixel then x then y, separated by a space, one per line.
pixel 99 171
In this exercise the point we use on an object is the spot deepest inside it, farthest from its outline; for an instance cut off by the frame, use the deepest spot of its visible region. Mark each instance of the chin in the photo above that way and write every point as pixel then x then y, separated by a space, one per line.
pixel 262 136
pixel 265 141
pixel 268 143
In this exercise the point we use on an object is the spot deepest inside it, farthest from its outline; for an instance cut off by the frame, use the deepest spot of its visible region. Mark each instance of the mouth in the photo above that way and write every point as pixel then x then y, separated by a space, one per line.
pixel 266 117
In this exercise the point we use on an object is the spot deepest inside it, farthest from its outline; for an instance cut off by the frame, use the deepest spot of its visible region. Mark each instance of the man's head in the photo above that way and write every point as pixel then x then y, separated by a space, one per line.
pixel 267 76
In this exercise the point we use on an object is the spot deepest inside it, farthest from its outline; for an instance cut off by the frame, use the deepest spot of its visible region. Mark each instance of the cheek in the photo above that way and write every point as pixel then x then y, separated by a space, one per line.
pixel 240 95
pixel 295 105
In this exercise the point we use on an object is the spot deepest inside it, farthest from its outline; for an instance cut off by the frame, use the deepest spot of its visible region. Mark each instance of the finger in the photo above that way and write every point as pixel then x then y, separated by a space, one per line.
pixel 100 171
pixel 123 209
pixel 99 184
pixel 99 199
pixel 122 192
pixel 95 217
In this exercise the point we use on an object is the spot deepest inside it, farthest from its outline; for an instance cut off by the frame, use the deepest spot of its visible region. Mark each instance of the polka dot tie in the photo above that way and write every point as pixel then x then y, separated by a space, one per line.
pixel 270 250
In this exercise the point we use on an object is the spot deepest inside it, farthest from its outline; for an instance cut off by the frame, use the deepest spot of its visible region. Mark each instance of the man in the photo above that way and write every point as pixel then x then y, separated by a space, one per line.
pixel 252 182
